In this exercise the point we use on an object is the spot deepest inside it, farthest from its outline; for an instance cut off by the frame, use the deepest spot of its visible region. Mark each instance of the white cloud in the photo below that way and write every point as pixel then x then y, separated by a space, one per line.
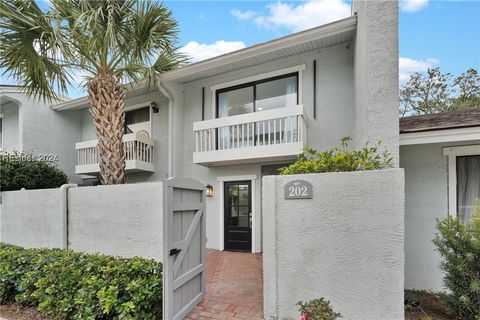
pixel 244 15
pixel 298 17
pixel 409 66
pixel 200 51
pixel 413 5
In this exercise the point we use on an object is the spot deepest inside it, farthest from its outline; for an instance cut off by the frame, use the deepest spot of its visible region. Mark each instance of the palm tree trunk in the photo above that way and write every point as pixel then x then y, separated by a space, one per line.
pixel 107 96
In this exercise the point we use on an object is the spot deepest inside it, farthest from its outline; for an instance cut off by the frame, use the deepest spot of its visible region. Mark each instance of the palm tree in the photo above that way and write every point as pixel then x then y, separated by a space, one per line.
pixel 109 42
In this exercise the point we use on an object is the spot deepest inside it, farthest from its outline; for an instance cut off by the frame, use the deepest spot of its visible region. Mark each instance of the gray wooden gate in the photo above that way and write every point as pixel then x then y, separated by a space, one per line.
pixel 183 246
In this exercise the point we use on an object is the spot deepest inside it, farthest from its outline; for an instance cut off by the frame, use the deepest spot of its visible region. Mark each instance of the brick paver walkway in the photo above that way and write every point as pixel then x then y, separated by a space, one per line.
pixel 234 287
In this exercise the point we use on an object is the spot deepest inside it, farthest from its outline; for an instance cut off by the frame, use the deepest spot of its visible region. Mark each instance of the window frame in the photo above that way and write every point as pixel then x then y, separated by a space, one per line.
pixel 297 68
pixel 254 85
pixel 452 153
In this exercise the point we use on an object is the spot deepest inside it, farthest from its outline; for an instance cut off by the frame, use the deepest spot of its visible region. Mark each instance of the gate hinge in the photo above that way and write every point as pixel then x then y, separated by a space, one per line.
pixel 175 251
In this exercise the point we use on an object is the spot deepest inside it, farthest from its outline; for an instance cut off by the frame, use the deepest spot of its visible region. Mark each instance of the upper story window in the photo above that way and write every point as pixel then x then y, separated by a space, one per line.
pixel 266 94
pixel 138 121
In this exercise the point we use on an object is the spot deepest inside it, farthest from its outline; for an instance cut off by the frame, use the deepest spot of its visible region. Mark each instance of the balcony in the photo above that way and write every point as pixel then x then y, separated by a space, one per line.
pixel 139 155
pixel 270 135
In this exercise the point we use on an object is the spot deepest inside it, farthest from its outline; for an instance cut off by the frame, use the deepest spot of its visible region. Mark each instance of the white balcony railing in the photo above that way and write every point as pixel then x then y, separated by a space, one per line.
pixel 138 148
pixel 270 135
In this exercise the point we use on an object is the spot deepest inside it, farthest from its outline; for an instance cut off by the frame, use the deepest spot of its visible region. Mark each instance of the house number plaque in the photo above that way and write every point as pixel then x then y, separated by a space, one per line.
pixel 298 189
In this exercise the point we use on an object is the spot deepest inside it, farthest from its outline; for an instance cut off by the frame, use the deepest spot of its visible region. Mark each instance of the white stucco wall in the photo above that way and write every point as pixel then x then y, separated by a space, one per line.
pixel 124 220
pixel 426 199
pixel 41 130
pixel 346 244
pixel 34 218
pixel 376 73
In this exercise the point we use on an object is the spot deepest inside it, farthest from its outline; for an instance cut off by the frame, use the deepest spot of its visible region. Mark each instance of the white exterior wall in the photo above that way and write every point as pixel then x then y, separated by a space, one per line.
pixel 426 194
pixel 40 130
pixel 345 244
pixel 334 120
pixel 376 74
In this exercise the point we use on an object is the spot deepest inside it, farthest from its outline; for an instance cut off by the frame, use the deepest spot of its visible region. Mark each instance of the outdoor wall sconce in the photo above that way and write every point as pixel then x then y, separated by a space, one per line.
pixel 154 106
pixel 209 191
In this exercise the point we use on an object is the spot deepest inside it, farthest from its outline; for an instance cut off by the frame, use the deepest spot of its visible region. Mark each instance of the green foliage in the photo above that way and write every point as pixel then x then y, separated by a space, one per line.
pixel 44 50
pixel 435 91
pixel 19 171
pixel 317 309
pixel 459 246
pixel 70 285
pixel 340 159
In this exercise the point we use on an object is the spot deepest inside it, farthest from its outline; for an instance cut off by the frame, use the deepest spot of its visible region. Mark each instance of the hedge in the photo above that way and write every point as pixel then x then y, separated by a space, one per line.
pixel 24 171
pixel 70 285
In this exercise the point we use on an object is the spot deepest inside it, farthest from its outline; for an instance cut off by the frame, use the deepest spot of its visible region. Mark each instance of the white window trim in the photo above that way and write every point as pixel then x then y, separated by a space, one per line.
pixel 452 153
pixel 299 68
pixel 3 131
pixel 252 179
pixel 143 105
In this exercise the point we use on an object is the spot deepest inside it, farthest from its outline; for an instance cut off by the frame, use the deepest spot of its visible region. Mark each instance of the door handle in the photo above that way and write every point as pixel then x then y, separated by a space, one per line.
pixel 250 221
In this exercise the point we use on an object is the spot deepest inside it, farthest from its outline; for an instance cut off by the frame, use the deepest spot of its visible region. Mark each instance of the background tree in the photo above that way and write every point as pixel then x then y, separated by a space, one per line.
pixel 468 87
pixel 425 93
pixel 112 42
pixel 435 91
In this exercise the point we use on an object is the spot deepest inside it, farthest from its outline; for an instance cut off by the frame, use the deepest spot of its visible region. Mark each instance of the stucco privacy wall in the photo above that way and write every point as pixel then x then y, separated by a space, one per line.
pixel 426 199
pixel 345 244
pixel 34 218
pixel 376 73
pixel 124 220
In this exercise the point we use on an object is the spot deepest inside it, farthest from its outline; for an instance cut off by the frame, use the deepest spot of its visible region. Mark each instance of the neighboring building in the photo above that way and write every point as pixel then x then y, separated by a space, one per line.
pixel 232 119
pixel 28 125
pixel 441 157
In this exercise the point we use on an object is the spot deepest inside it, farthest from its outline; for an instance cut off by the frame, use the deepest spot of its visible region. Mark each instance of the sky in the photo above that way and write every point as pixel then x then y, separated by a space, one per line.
pixel 433 33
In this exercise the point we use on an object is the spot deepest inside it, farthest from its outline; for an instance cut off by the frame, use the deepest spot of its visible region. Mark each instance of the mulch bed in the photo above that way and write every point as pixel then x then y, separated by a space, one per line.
pixel 14 311
pixel 429 306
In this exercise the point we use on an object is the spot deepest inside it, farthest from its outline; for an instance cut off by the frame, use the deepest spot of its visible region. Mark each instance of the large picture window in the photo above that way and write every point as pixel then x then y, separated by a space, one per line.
pixel 278 92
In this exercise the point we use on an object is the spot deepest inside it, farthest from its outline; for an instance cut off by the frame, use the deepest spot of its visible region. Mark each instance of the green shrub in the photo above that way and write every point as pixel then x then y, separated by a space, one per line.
pixel 317 309
pixel 19 171
pixel 340 159
pixel 71 285
pixel 459 246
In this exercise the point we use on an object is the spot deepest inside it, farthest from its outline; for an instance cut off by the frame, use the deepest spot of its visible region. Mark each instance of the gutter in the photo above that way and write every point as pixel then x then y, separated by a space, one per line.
pixel 167 94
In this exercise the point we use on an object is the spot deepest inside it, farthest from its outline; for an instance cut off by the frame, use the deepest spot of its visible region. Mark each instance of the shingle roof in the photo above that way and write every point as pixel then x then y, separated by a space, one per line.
pixel 441 121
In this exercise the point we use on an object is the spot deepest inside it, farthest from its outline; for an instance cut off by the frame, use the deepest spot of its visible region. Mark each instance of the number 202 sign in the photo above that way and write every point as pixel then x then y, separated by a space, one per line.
pixel 298 189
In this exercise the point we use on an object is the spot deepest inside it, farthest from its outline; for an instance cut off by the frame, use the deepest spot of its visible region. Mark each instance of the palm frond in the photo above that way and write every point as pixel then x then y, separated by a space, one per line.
pixel 32 50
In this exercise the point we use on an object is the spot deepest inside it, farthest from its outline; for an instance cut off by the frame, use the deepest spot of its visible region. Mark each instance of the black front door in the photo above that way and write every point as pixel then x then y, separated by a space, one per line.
pixel 238 215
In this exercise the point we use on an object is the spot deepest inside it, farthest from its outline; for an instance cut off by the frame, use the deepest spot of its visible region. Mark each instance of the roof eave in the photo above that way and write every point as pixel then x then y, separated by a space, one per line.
pixel 333 28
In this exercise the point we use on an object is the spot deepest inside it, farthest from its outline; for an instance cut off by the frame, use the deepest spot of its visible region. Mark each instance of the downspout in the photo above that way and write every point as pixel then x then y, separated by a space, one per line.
pixel 165 92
